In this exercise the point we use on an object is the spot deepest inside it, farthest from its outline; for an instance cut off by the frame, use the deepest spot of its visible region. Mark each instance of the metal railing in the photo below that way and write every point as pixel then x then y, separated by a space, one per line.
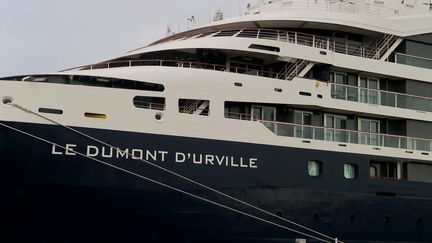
pixel 413 60
pixel 241 116
pixel 348 136
pixel 298 38
pixel 183 64
pixel 381 97
pixel 187 110
pixel 244 8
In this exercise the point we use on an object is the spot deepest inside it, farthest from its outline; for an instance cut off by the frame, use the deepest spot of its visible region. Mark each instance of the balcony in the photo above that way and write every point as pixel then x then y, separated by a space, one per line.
pixel 348 136
pixel 380 97
pixel 411 60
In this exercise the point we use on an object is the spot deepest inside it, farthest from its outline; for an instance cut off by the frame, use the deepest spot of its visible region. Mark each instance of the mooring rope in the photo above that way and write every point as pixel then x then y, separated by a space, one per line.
pixel 174 173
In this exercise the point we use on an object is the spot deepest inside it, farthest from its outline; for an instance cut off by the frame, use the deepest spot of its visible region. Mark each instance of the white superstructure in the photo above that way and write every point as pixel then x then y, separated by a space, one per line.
pixel 345 79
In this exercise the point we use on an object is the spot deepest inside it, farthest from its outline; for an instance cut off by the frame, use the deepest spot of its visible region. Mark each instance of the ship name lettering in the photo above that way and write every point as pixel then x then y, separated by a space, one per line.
pixel 69 150
pixel 198 159
pixel 216 160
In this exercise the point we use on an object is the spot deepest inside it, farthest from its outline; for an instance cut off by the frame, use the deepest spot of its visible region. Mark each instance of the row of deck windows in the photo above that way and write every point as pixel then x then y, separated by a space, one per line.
pixel 186 106
pixel 315 169
pixel 411 171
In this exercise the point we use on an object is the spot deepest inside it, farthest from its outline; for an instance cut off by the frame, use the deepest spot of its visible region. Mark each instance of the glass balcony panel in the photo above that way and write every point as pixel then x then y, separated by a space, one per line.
pixel 420 104
pixel 353 94
pixel 423 145
pixel 318 133
pixel 401 101
pixel 374 140
pixel 373 97
pixel 353 137
pixel 298 132
pixel 414 61
pixel 364 96
pixel 340 92
pixel 308 132
pixel 391 141
pixel 363 138
pixel 341 136
pixel 409 102
pixel 388 99
pixel 329 135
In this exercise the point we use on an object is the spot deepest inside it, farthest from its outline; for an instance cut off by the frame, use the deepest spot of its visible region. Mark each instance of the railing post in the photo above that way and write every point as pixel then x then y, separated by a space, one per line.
pixel 328 43
pixel 295 37
pixel 396 100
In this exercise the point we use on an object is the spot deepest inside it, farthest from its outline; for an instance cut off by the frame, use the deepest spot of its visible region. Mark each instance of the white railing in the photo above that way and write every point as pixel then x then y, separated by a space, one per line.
pixel 298 38
pixel 242 8
pixel 241 116
pixel 183 64
pixel 381 97
pixel 348 136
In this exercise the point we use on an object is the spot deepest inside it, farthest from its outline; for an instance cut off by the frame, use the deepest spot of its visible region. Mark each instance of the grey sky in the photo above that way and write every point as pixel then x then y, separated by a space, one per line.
pixel 39 36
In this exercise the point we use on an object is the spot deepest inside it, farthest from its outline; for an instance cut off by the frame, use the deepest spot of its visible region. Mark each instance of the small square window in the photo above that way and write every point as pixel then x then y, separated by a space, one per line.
pixel 314 168
pixel 350 171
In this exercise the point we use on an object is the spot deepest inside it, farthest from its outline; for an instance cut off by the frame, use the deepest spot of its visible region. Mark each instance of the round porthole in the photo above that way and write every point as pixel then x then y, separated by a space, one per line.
pixel 159 117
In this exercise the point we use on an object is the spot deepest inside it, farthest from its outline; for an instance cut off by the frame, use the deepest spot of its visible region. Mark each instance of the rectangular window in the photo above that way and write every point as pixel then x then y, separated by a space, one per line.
pixel 350 171
pixel 194 107
pixel 151 103
pixel 337 128
pixel 384 170
pixel 340 91
pixel 303 118
pixel 368 91
pixel 314 168
pixel 369 132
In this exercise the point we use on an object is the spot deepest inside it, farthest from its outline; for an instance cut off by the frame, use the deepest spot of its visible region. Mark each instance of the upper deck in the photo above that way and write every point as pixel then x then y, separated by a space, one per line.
pixel 402 18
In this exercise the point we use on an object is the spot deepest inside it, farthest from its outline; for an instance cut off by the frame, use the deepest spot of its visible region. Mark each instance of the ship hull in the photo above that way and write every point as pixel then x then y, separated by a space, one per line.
pixel 51 195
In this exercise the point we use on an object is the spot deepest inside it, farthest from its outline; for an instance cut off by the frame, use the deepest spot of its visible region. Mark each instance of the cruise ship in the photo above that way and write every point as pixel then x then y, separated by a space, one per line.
pixel 266 121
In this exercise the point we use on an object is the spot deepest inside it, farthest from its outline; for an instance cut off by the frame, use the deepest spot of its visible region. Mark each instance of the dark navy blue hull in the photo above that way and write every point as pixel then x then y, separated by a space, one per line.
pixel 50 195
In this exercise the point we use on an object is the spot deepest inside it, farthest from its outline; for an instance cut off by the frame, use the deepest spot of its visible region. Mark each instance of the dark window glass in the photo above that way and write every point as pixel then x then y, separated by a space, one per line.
pixel 147 102
pixel 90 81
pixel 350 171
pixel 314 168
